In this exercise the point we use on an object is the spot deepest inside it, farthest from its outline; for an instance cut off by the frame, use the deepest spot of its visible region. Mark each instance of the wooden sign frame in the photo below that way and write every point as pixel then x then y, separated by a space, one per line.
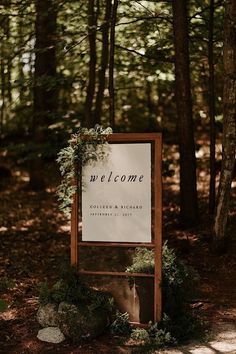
pixel 156 244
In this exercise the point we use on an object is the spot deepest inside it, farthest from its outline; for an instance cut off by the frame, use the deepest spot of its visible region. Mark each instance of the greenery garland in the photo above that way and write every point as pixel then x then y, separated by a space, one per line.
pixel 82 150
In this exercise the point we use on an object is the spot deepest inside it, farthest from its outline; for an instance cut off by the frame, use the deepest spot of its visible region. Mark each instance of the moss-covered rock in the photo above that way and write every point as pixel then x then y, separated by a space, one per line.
pixel 80 322
pixel 47 315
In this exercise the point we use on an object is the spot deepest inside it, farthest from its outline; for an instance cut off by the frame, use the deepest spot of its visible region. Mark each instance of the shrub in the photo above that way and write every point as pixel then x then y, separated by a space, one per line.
pixel 5 284
pixel 140 334
pixel 179 285
pixel 70 289
pixel 3 305
pixel 159 337
pixel 120 325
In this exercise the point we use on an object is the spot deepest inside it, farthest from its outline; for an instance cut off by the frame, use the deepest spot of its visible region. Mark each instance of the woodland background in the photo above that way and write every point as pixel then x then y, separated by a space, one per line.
pixel 137 66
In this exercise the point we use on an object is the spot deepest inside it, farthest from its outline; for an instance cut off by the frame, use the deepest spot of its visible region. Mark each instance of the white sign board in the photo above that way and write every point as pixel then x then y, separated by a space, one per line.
pixel 116 201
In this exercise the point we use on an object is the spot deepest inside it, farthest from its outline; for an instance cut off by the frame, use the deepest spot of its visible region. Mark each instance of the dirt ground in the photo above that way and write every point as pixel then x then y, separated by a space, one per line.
pixel 34 241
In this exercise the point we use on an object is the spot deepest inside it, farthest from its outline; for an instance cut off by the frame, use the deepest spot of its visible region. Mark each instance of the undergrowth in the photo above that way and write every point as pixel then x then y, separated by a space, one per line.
pixel 179 286
pixel 5 284
pixel 70 289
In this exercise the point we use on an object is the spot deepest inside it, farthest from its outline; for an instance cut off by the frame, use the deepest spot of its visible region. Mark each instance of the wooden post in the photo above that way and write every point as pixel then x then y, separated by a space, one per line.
pixel 158 231
pixel 74 231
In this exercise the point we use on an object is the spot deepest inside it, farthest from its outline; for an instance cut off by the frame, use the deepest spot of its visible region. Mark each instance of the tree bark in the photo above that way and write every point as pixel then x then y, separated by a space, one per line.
pixel 4 67
pixel 188 190
pixel 111 65
pixel 92 29
pixel 229 128
pixel 44 91
pixel 2 113
pixel 211 103
pixel 103 65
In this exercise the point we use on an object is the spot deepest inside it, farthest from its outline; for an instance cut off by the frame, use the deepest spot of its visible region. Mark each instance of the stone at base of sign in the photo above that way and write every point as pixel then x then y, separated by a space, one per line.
pixel 80 323
pixel 47 315
pixel 75 322
pixel 51 335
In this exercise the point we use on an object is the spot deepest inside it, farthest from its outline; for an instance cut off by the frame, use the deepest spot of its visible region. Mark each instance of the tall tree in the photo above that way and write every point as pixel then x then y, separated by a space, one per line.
pixel 92 30
pixel 211 102
pixel 229 128
pixel 5 93
pixel 45 93
pixel 188 189
pixel 104 62
pixel 111 64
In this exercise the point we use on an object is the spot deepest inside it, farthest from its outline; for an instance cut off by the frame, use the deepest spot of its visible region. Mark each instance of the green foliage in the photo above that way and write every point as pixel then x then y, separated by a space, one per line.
pixel 140 334
pixel 153 337
pixel 159 337
pixel 143 261
pixel 5 284
pixel 179 285
pixel 182 327
pixel 3 305
pixel 70 289
pixel 143 70
pixel 84 147
pixel 120 325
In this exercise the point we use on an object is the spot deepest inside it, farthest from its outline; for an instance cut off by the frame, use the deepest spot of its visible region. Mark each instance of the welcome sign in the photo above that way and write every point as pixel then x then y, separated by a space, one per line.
pixel 121 205
pixel 116 201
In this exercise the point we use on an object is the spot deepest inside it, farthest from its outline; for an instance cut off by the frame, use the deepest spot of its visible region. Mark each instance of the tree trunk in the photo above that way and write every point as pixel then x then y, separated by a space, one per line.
pixel 92 29
pixel 45 93
pixel 2 113
pixel 111 65
pixel 9 61
pixel 4 59
pixel 103 65
pixel 211 103
pixel 188 190
pixel 229 128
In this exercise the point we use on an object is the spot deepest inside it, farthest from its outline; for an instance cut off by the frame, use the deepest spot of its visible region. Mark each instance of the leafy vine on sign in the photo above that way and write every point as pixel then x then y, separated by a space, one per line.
pixel 86 146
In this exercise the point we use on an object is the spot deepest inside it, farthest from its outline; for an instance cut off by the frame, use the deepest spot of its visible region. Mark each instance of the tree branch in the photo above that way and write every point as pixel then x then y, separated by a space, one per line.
pixel 145 18
pixel 167 60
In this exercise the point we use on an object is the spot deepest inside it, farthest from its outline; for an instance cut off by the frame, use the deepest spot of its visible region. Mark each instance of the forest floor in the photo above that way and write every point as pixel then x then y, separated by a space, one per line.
pixel 34 240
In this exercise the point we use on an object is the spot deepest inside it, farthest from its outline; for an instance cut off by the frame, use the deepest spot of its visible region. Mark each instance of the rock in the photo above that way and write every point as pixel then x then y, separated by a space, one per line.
pixel 47 315
pixel 80 322
pixel 51 335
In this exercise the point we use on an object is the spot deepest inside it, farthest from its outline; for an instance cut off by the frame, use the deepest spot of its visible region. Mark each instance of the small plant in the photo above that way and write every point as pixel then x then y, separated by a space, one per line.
pixel 120 325
pixel 160 336
pixel 140 334
pixel 44 294
pixel 70 289
pixel 5 284
pixel 143 261
pixel 152 338
pixel 3 305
